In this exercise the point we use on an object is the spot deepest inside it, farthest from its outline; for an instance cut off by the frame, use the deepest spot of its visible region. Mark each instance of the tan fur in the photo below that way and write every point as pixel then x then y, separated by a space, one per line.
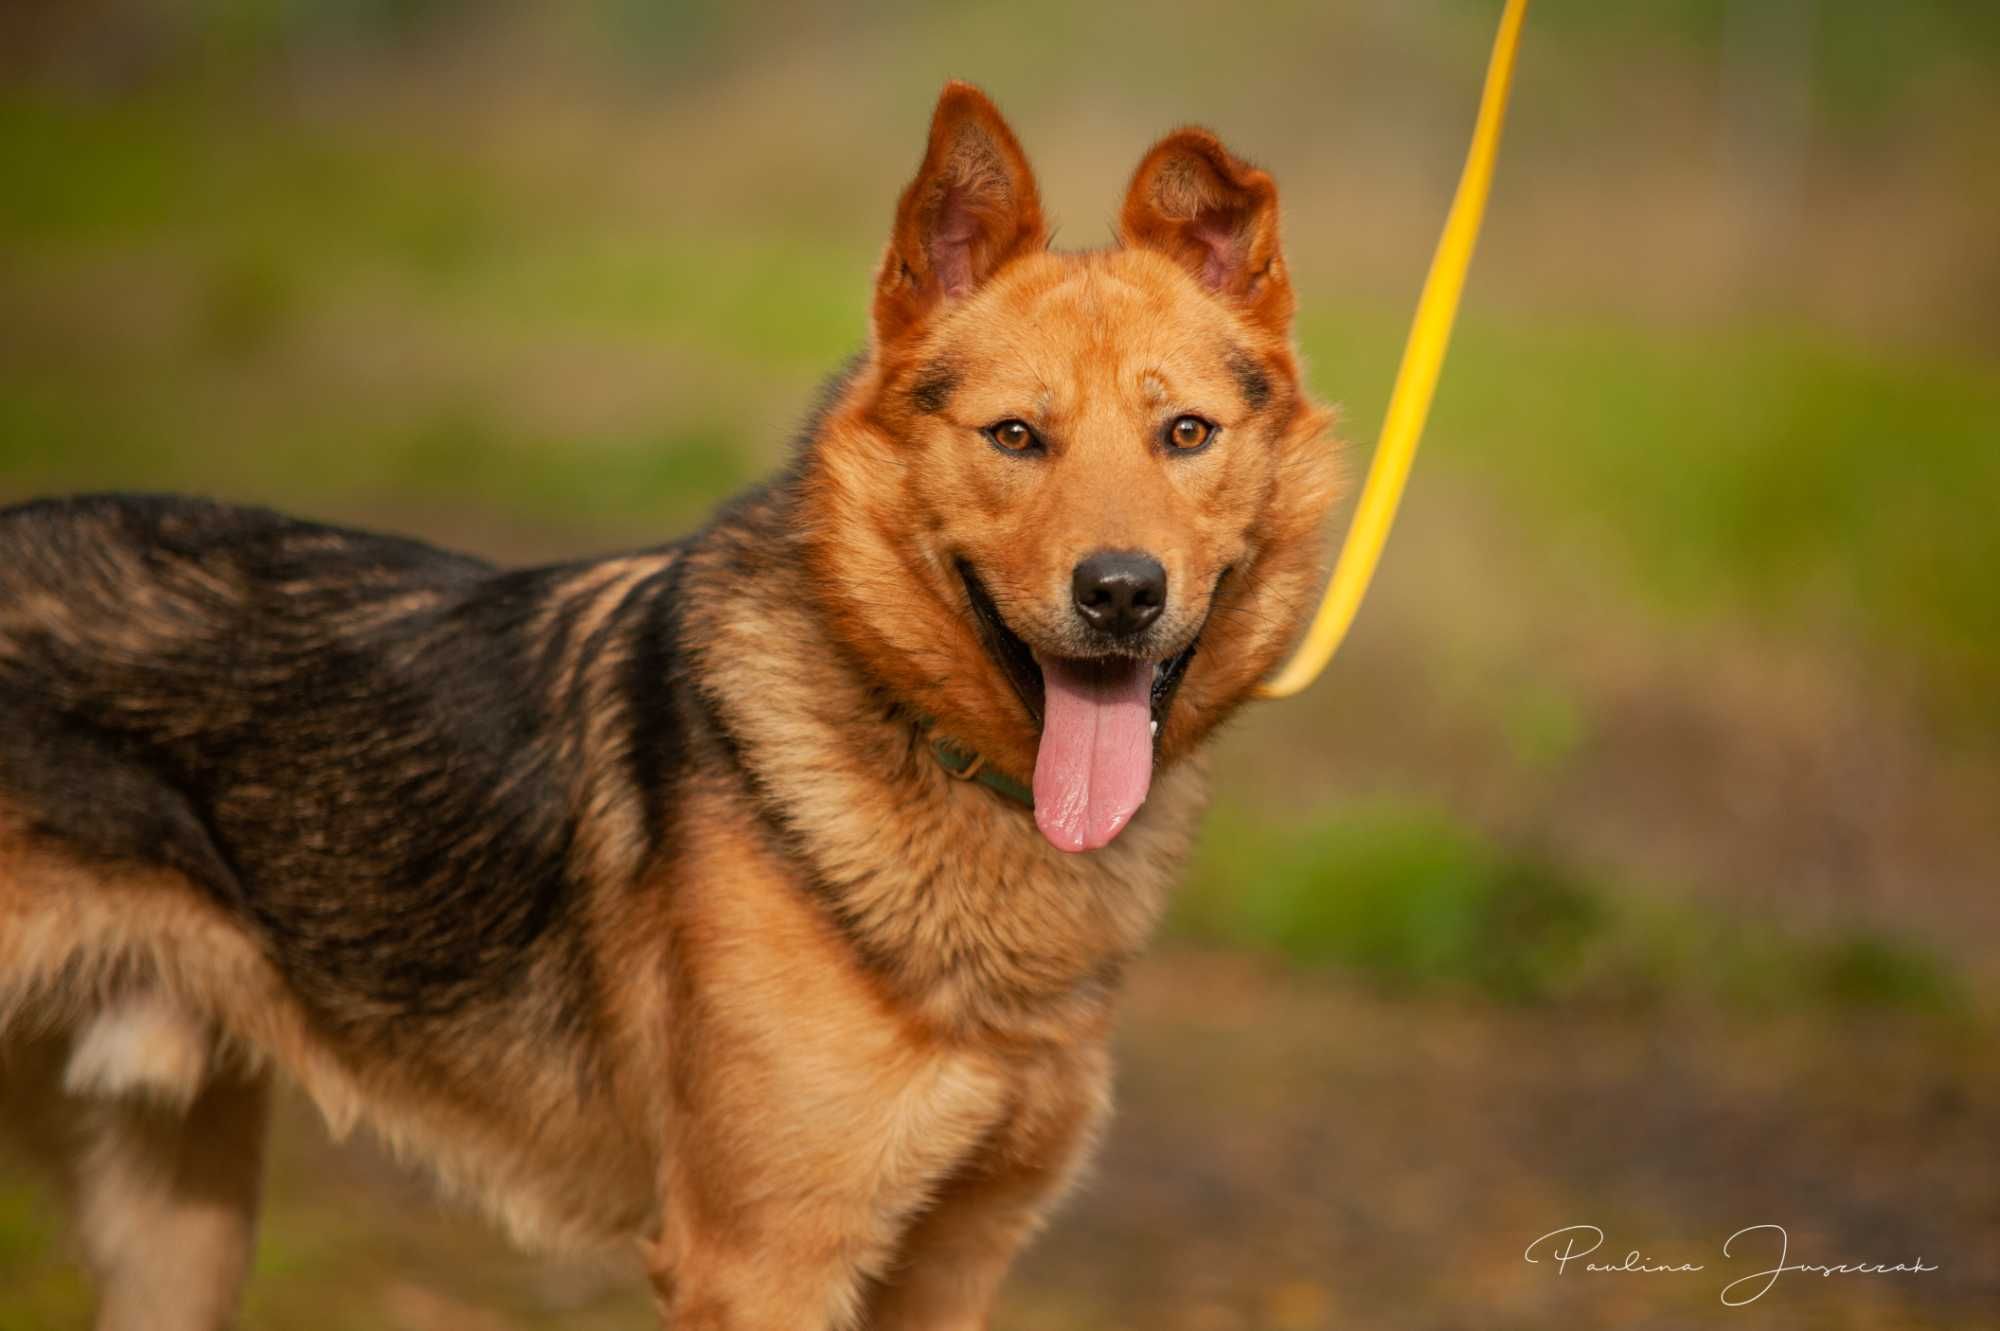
pixel 843 1032
pixel 612 837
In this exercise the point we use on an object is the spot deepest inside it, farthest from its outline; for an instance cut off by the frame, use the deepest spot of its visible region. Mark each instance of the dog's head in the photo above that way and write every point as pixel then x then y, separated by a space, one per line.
pixel 1070 506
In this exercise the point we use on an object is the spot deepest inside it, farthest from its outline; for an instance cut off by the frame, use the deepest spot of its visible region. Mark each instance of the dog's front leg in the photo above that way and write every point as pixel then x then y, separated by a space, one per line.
pixel 788 1230
pixel 950 1264
pixel 786 1188
pixel 762 1279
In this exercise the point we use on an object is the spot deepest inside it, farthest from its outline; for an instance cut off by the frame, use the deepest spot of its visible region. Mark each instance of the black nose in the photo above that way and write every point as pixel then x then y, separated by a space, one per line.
pixel 1119 591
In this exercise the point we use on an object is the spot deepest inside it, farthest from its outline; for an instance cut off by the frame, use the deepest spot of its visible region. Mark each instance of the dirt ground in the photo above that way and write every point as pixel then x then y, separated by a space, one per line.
pixel 1297 1153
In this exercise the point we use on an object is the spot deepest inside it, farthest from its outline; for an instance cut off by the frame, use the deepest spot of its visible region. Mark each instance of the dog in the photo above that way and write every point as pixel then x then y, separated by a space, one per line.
pixel 760 899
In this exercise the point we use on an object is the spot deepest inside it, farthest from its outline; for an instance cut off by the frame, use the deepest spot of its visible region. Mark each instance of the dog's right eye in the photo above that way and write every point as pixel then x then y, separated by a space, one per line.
pixel 1014 435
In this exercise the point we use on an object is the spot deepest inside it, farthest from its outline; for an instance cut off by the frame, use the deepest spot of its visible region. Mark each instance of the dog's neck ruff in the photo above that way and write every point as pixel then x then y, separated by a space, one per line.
pixel 965 765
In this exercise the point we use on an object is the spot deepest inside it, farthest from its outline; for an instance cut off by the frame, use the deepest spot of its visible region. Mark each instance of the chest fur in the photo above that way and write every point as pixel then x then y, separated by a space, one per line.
pixel 791 1057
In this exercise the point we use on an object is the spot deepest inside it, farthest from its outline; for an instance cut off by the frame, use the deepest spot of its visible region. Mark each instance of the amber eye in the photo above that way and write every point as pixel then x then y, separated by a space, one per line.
pixel 1188 433
pixel 1014 436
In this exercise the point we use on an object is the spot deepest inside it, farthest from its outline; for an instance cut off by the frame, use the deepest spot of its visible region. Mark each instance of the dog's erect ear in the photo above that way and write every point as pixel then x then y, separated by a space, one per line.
pixel 972 207
pixel 1215 215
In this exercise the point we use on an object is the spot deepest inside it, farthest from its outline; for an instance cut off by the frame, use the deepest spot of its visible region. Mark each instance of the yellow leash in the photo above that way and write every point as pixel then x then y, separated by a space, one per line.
pixel 1416 380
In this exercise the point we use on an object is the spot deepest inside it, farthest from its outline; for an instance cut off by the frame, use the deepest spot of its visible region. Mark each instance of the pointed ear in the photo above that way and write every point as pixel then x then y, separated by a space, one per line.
pixel 972 207
pixel 1215 215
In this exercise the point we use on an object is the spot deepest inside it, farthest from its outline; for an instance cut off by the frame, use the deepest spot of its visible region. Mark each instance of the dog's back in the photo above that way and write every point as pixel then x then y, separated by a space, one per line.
pixel 343 738
pixel 334 735
pixel 150 647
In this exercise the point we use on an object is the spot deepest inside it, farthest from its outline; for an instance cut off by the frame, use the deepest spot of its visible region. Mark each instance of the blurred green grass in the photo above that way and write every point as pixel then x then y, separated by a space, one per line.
pixel 1419 902
pixel 1764 472
pixel 39 1293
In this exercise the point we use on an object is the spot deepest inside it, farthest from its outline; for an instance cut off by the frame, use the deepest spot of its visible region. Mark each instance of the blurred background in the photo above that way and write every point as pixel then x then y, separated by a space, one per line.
pixel 1636 864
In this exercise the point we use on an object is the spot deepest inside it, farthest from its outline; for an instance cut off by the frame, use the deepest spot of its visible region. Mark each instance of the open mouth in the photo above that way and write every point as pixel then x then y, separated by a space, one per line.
pixel 1018 663
pixel 1100 722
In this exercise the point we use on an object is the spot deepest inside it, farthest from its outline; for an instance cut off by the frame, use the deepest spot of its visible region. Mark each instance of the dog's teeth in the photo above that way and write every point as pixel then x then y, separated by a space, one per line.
pixel 1156 727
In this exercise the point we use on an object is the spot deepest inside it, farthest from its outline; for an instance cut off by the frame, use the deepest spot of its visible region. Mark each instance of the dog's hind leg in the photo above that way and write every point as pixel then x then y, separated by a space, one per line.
pixel 113 1070
pixel 166 1201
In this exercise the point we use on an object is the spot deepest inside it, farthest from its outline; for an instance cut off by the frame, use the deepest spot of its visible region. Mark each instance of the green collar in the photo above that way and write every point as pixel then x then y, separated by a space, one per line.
pixel 965 765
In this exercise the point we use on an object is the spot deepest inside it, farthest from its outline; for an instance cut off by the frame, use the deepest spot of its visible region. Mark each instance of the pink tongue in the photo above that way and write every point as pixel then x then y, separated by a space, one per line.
pixel 1096 759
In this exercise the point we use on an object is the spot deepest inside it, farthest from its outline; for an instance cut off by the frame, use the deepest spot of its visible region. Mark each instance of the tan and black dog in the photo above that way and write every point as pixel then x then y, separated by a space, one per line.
pixel 649 898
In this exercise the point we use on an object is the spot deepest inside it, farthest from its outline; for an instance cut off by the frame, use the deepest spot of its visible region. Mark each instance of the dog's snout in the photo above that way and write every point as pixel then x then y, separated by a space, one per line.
pixel 1119 591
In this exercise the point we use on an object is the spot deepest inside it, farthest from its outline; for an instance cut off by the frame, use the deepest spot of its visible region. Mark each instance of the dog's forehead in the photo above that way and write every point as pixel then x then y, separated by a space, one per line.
pixel 1124 314
pixel 1117 292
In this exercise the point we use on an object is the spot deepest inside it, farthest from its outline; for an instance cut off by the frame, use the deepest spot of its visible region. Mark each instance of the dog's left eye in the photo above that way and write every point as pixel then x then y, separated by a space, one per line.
pixel 1188 433
pixel 1013 435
